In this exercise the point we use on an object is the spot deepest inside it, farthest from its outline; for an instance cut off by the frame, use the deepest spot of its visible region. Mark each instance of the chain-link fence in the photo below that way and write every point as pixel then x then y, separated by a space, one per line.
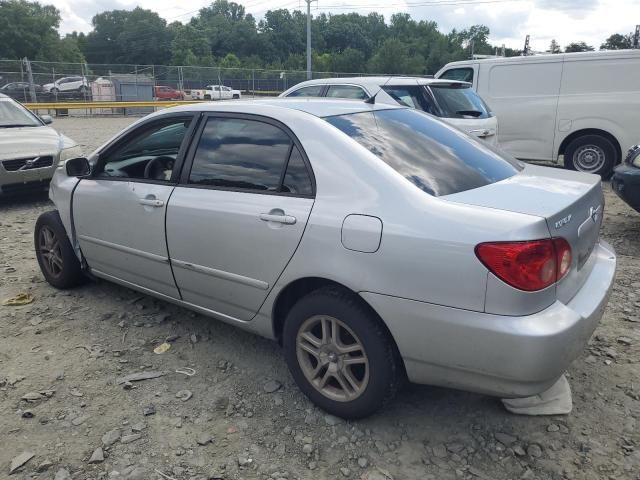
pixel 36 81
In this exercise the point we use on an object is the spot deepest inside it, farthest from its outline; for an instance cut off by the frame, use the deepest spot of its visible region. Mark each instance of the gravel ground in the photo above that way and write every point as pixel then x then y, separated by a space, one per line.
pixel 240 416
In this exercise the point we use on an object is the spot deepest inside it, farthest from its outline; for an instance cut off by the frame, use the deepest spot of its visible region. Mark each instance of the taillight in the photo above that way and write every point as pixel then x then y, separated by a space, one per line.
pixel 529 266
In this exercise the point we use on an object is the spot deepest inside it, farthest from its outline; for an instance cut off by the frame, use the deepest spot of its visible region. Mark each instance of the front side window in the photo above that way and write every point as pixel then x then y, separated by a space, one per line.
pixel 149 155
pixel 245 154
pixel 460 74
pixel 312 91
pixel 458 100
pixel 414 96
pixel 346 91
pixel 433 156
pixel 13 115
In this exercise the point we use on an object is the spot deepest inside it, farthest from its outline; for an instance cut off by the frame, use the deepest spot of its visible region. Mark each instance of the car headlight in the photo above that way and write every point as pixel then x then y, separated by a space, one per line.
pixel 69 153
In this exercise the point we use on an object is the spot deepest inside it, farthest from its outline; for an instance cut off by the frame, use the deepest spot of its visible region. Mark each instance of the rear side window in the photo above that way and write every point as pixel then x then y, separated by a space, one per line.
pixel 459 101
pixel 346 91
pixel 461 74
pixel 414 96
pixel 296 179
pixel 245 154
pixel 436 158
pixel 312 91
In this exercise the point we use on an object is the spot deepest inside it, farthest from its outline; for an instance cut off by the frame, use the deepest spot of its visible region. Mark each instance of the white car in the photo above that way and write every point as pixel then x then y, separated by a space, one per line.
pixel 29 149
pixel 454 102
pixel 582 108
pixel 216 92
pixel 67 84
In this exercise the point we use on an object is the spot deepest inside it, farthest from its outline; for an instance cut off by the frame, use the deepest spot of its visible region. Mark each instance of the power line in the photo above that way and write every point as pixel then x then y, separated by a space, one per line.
pixel 415 4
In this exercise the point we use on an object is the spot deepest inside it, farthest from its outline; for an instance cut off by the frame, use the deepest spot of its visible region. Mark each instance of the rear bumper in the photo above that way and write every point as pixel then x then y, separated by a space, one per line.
pixel 505 356
pixel 626 183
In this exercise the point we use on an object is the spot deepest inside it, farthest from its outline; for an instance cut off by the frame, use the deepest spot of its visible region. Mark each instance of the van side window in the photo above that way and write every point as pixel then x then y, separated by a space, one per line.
pixel 346 91
pixel 461 74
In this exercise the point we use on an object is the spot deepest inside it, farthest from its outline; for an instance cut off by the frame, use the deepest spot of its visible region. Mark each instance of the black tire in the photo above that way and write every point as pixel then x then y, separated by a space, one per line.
pixel 207 97
pixel 575 153
pixel 385 372
pixel 69 273
pixel 54 91
pixel 236 97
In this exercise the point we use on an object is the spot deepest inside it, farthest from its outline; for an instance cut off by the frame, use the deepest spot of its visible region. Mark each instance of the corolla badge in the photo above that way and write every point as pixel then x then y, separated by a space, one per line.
pixel 562 222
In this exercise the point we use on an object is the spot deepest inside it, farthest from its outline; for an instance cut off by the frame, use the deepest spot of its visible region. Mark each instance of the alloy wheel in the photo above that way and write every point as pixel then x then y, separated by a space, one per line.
pixel 50 251
pixel 332 358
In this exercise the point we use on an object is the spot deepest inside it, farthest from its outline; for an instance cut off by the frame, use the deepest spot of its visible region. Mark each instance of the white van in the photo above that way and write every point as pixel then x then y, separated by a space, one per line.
pixel 583 107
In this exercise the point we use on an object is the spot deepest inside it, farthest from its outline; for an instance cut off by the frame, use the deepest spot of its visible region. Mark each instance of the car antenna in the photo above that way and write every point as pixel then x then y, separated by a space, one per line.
pixel 372 99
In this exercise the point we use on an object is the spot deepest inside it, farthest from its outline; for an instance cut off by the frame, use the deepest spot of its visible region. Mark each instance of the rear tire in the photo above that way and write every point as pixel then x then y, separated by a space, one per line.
pixel 236 97
pixel 340 355
pixel 591 154
pixel 57 260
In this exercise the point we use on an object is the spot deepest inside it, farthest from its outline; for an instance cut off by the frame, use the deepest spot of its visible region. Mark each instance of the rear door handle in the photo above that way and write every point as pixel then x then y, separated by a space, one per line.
pixel 151 202
pixel 286 219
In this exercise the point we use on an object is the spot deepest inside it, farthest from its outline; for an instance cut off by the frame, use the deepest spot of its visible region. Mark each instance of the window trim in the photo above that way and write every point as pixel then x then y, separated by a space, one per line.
pixel 188 161
pixel 460 67
pixel 141 128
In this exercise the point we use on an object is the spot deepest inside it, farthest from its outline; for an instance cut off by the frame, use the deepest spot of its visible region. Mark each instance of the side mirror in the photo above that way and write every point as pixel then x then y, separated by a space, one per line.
pixel 78 167
pixel 46 119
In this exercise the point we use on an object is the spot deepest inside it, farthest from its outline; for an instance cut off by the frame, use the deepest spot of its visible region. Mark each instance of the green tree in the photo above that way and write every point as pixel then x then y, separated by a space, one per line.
pixel 554 47
pixel 618 41
pixel 25 27
pixel 578 47
pixel 349 60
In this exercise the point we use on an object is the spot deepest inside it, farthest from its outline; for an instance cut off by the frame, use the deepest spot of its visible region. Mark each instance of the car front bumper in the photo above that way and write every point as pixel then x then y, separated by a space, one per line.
pixel 25 180
pixel 626 183
pixel 505 356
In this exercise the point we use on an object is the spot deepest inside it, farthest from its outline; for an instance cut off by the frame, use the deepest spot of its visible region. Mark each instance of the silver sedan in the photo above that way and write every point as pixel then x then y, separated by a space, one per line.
pixel 374 242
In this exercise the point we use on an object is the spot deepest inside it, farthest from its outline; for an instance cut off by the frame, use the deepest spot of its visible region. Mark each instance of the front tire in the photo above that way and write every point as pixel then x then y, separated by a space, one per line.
pixel 57 260
pixel 591 154
pixel 340 355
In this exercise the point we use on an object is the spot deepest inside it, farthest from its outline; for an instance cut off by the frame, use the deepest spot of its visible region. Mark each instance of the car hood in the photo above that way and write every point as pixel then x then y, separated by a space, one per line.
pixel 27 141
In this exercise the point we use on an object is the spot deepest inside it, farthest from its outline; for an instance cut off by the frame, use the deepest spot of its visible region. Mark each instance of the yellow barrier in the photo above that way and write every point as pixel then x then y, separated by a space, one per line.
pixel 91 105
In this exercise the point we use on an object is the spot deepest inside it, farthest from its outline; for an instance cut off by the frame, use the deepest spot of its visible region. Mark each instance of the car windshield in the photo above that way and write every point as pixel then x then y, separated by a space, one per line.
pixel 435 157
pixel 458 100
pixel 13 115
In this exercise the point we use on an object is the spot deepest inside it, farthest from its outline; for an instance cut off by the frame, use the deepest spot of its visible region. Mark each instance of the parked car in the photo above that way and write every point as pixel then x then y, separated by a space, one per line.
pixel 373 241
pixel 454 102
pixel 583 108
pixel 29 149
pixel 626 179
pixel 19 90
pixel 167 93
pixel 216 92
pixel 67 84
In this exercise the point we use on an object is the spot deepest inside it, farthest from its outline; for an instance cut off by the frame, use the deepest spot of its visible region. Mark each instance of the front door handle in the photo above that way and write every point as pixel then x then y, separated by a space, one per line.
pixel 151 202
pixel 286 219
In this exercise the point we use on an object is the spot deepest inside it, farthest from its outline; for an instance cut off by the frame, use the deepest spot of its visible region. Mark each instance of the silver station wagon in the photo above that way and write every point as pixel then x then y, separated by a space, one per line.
pixel 374 242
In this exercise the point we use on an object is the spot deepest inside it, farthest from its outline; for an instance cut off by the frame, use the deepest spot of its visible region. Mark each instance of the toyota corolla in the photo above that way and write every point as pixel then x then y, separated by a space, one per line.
pixel 374 242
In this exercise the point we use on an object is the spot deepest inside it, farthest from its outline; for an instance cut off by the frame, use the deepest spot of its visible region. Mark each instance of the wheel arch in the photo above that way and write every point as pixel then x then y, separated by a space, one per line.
pixel 298 288
pixel 591 131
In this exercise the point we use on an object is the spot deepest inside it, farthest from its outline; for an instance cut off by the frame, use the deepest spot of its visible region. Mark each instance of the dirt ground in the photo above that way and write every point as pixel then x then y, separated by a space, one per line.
pixel 240 416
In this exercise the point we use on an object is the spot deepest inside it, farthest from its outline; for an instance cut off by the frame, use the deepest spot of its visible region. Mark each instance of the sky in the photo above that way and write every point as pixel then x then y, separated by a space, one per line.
pixel 510 21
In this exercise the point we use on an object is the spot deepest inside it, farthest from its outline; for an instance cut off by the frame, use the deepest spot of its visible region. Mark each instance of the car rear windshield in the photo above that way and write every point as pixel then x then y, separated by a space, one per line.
pixel 435 157
pixel 15 115
pixel 458 100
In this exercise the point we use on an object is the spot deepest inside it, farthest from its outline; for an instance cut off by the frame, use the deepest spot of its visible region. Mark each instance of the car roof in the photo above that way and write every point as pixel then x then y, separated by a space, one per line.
pixel 376 81
pixel 319 107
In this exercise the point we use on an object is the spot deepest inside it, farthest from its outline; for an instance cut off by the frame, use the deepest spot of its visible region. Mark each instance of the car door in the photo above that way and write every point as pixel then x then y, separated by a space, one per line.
pixel 119 212
pixel 239 213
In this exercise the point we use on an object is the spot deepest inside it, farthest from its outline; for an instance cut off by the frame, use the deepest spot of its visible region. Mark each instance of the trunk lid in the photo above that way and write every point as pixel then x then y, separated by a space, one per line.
pixel 571 203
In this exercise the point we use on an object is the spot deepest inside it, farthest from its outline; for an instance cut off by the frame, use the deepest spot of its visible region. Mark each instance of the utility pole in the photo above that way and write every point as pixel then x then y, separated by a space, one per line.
pixel 636 37
pixel 309 37
pixel 32 88
pixel 526 46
